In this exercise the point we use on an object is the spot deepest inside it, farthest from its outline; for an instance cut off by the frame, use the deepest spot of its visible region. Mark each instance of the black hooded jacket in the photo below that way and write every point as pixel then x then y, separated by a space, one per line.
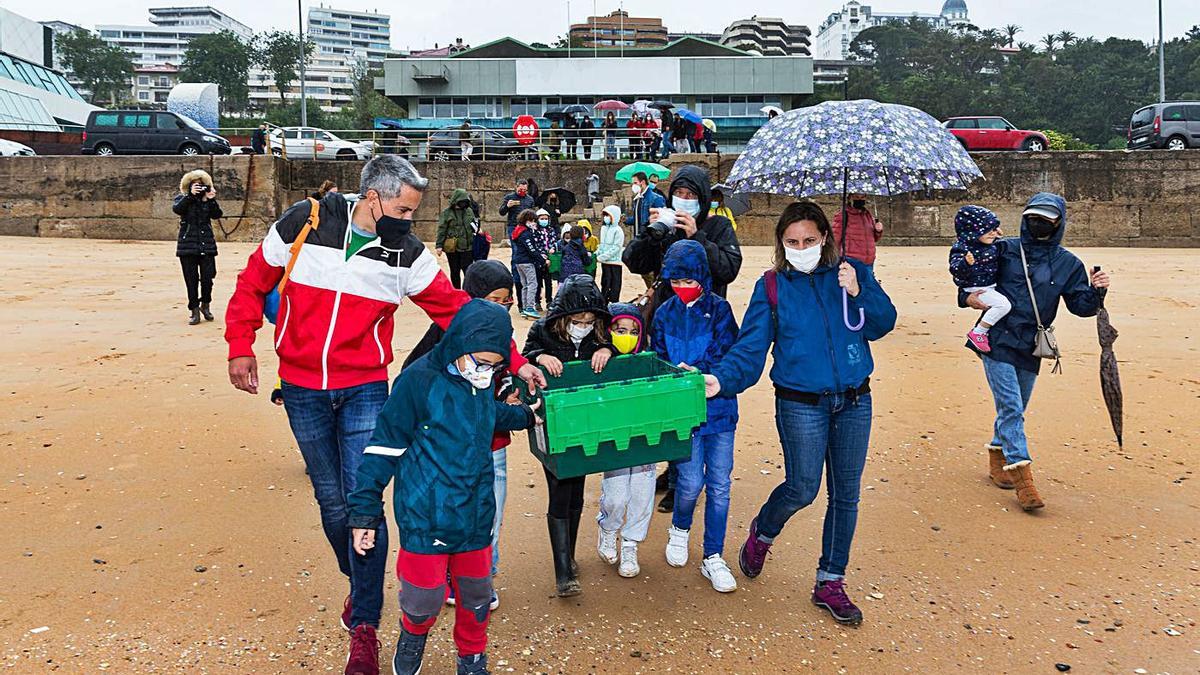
pixel 644 255
pixel 577 294
pixel 482 277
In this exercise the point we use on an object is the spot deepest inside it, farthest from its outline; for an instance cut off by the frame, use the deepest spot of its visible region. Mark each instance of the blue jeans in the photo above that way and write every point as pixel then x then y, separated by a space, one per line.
pixel 1011 390
pixel 332 428
pixel 709 469
pixel 830 437
pixel 500 486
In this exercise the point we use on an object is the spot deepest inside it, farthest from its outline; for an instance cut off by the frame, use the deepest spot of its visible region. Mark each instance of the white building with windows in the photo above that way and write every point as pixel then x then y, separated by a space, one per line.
pixel 350 35
pixel 152 84
pixel 767 36
pixel 328 81
pixel 171 29
pixel 838 31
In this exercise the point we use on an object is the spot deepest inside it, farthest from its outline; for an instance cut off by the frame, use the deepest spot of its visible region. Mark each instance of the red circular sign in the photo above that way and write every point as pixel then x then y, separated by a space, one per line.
pixel 525 130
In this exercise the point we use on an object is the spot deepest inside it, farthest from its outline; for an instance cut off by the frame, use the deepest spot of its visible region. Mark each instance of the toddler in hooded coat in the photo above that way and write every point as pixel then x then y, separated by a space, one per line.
pixel 975 264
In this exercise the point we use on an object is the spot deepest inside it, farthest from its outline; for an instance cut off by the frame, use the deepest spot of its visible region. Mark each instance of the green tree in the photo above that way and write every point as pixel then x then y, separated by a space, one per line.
pixel 368 103
pixel 222 59
pixel 103 69
pixel 279 53
pixel 1066 38
pixel 1050 41
pixel 1010 31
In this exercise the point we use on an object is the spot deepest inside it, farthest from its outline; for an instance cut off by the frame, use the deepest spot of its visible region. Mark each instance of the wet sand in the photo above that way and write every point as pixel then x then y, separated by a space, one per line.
pixel 157 520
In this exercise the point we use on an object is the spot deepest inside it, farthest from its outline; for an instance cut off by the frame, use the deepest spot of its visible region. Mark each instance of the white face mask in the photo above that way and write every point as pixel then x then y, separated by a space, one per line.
pixel 471 373
pixel 688 206
pixel 607 220
pixel 806 259
pixel 635 189
pixel 577 333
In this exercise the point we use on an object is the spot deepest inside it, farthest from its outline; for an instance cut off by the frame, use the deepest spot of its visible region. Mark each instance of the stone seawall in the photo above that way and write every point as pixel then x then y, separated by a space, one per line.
pixel 1116 198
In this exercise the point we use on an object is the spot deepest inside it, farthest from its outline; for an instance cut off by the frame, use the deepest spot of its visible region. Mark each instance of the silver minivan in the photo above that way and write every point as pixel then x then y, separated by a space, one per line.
pixel 1173 126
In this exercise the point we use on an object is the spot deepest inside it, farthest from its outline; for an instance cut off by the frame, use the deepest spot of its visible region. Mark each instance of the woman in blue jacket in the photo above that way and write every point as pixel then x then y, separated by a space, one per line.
pixel 822 388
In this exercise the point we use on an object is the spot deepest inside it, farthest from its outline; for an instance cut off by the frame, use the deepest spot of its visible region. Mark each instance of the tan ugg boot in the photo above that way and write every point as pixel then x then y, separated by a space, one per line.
pixel 996 468
pixel 1027 494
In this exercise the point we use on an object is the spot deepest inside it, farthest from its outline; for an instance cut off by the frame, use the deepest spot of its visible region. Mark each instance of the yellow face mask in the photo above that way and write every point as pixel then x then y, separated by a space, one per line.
pixel 625 343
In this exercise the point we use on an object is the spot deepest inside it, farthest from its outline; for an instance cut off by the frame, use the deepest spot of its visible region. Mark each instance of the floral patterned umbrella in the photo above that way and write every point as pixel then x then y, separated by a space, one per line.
pixel 848 147
pixel 855 147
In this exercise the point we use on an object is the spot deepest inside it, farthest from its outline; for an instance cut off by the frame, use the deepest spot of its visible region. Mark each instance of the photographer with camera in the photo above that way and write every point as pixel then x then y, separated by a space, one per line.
pixel 685 216
pixel 196 247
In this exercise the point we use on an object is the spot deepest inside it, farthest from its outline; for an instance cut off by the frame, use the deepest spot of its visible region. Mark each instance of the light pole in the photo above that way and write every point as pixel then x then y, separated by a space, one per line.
pixel 303 87
pixel 1162 74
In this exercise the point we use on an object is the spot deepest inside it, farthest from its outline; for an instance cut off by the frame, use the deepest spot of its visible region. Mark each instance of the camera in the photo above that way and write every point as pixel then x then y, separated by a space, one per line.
pixel 204 187
pixel 663 226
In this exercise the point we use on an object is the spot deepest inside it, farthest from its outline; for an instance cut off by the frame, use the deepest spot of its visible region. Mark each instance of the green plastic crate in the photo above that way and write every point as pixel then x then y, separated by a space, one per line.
pixel 640 410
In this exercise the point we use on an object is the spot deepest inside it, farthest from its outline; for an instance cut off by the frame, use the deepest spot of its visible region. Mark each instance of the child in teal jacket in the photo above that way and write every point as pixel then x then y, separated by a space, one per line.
pixel 434 437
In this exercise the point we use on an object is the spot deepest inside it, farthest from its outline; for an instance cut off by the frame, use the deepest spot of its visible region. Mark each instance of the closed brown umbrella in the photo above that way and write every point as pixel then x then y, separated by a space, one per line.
pixel 1110 376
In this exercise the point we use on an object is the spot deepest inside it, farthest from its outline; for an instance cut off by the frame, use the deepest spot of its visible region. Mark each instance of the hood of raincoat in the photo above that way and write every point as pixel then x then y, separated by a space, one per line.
pixel 686 259
pixel 577 294
pixel 485 276
pixel 695 178
pixel 1046 199
pixel 624 310
pixel 459 195
pixel 972 222
pixel 479 326
pixel 199 175
pixel 614 212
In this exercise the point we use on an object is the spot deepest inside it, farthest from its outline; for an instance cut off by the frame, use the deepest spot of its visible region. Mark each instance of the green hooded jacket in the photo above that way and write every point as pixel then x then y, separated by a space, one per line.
pixel 455 223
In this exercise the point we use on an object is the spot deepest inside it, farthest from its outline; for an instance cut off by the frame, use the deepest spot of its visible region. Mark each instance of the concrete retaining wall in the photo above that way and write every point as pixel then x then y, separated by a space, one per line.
pixel 1116 198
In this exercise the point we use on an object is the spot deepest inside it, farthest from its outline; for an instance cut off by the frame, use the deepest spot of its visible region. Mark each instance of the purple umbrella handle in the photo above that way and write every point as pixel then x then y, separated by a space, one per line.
pixel 862 316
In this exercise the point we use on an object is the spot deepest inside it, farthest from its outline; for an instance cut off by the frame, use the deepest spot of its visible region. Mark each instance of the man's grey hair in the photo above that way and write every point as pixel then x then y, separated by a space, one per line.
pixel 387 174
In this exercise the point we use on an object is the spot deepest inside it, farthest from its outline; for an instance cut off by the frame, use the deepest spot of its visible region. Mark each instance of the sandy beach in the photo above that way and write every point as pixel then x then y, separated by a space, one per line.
pixel 157 520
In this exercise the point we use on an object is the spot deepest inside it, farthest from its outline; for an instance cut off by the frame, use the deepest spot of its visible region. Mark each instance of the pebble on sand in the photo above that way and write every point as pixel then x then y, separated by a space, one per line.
pixel 200 568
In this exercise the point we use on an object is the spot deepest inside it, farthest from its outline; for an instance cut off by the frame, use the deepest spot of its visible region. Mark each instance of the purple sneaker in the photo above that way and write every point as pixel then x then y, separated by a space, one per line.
pixel 753 555
pixel 831 595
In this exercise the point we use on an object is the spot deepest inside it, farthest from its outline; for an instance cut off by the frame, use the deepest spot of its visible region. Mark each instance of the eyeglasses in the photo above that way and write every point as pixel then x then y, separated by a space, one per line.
pixel 483 367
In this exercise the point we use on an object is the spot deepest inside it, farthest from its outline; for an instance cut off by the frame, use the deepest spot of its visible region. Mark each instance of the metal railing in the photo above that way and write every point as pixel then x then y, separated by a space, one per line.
pixel 446 144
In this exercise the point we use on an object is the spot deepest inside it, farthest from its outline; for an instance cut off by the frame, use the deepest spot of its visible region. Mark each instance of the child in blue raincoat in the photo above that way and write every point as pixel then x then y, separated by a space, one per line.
pixel 696 328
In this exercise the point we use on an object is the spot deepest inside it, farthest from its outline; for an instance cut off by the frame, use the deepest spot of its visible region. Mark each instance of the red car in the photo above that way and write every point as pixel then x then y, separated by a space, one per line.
pixel 994 133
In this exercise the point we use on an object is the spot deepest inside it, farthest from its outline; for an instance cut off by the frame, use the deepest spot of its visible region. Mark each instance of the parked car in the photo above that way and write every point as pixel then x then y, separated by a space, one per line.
pixel 1173 126
pixel 14 149
pixel 994 133
pixel 488 144
pixel 313 143
pixel 148 132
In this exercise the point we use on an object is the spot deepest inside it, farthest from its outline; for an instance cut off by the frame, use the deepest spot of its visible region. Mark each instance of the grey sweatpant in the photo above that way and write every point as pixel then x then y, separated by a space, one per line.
pixel 529 285
pixel 627 502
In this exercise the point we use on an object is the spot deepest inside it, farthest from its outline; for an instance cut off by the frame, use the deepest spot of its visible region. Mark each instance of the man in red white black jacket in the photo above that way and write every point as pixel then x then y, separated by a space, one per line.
pixel 333 337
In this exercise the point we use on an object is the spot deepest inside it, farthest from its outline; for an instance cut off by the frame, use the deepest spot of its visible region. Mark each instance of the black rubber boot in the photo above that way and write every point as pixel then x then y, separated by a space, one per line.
pixel 205 311
pixel 560 541
pixel 195 318
pixel 575 516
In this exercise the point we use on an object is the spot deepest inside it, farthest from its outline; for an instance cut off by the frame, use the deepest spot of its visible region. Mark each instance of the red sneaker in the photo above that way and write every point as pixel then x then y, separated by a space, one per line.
pixel 346 610
pixel 979 341
pixel 364 651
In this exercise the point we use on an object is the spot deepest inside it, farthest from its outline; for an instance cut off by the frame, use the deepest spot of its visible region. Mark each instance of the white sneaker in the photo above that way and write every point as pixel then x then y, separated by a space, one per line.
pixel 715 570
pixel 677 547
pixel 629 564
pixel 607 546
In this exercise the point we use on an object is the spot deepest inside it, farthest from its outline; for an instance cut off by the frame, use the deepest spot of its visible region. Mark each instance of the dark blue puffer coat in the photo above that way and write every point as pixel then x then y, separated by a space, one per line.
pixel 971 223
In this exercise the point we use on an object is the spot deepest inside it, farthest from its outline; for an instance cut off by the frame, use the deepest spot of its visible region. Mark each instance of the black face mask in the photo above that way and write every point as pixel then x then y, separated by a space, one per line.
pixel 859 204
pixel 461 205
pixel 391 230
pixel 1041 228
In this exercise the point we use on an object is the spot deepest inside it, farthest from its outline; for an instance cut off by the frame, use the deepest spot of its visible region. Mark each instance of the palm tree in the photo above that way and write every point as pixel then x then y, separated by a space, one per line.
pixel 1011 31
pixel 1027 46
pixel 1066 37
pixel 1050 42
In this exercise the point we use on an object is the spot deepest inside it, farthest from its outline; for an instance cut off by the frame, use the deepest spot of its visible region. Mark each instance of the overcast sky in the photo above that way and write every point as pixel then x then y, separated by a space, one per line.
pixel 418 24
